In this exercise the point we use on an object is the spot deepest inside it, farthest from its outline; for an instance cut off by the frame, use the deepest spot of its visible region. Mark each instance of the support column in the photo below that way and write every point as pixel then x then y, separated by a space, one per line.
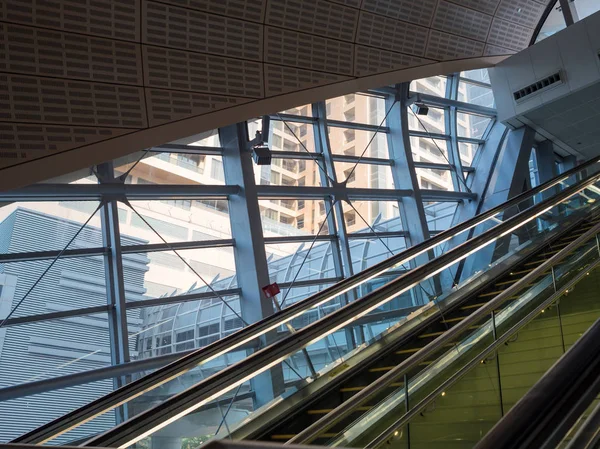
pixel 403 169
pixel 115 285
pixel 340 247
pixel 458 175
pixel 484 164
pixel 411 208
pixel 511 174
pixel 546 161
pixel 342 260
pixel 569 12
pixel 568 162
pixel 510 177
pixel 250 256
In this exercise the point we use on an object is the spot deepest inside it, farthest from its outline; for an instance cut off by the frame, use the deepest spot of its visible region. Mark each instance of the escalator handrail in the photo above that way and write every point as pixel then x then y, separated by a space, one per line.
pixel 531 277
pixel 194 397
pixel 255 330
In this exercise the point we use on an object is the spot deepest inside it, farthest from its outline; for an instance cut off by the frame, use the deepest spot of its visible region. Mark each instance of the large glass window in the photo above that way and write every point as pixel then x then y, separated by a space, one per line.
pixel 330 206
pixel 472 126
pixel 290 172
pixel 434 85
pixel 554 22
pixel 291 136
pixel 475 94
pixel 357 108
pixel 356 142
pixel 434 122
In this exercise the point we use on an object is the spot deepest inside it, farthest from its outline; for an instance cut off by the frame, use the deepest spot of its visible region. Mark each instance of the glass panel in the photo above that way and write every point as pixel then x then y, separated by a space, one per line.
pixel 474 94
pixel 463 414
pixel 292 295
pixel 53 348
pixel 434 85
pixel 481 75
pixel 304 111
pixel 368 252
pixel 48 226
pixel 171 168
pixel 425 149
pixel 289 172
pixel 355 142
pixel 163 273
pixel 204 139
pixel 381 216
pixel 534 350
pixel 357 108
pixel 70 283
pixel 553 24
pixel 298 262
pixel 291 136
pixel 434 122
pixel 291 216
pixel 83 176
pixel 17 416
pixel 254 126
pixel 434 179
pixel 364 175
pixel 467 152
pixel 439 215
pixel 586 8
pixel 171 328
pixel 472 126
pixel 334 348
pixel 184 220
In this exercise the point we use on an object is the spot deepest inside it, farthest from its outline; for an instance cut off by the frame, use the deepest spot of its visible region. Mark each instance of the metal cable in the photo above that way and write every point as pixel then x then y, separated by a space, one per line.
pixel 186 263
pixel 50 266
pixel 452 166
pixel 372 138
pixel 312 156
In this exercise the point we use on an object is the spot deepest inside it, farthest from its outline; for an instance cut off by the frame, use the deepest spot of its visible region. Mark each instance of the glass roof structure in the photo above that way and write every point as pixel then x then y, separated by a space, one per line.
pixel 133 262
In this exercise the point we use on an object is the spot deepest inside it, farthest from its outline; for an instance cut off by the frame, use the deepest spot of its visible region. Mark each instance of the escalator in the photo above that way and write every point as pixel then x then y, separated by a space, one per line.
pixel 389 333
pixel 399 351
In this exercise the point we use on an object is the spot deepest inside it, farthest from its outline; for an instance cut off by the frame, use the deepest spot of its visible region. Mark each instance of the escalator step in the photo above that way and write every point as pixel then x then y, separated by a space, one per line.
pixel 453 320
pixel 362 387
pixel 431 334
pixel 324 411
pixel 550 253
pixel 485 295
pixel 381 369
pixel 478 305
pixel 408 351
pixel 289 436
pixel 516 273
pixel 511 281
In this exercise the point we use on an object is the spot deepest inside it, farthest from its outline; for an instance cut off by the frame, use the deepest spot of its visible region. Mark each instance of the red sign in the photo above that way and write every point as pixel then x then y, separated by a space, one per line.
pixel 271 290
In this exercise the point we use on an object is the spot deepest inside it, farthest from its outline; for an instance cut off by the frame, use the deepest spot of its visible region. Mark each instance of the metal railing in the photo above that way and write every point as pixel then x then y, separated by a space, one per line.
pixel 227 380
pixel 256 330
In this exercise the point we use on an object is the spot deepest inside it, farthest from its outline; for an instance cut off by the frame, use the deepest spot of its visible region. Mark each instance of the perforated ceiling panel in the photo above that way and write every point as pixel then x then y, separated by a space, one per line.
pixel 85 81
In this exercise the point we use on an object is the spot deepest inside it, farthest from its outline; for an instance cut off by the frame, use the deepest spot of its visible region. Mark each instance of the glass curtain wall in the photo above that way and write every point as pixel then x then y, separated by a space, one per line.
pixel 159 258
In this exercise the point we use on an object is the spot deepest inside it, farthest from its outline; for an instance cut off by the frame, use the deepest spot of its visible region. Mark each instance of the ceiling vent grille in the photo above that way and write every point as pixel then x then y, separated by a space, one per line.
pixel 544 84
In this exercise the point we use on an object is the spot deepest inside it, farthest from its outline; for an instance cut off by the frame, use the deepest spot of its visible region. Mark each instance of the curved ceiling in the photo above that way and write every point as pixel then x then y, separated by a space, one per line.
pixel 84 81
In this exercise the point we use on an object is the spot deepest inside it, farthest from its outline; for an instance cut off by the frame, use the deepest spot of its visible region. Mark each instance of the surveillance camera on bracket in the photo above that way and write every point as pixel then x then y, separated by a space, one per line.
pixel 420 108
pixel 261 155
